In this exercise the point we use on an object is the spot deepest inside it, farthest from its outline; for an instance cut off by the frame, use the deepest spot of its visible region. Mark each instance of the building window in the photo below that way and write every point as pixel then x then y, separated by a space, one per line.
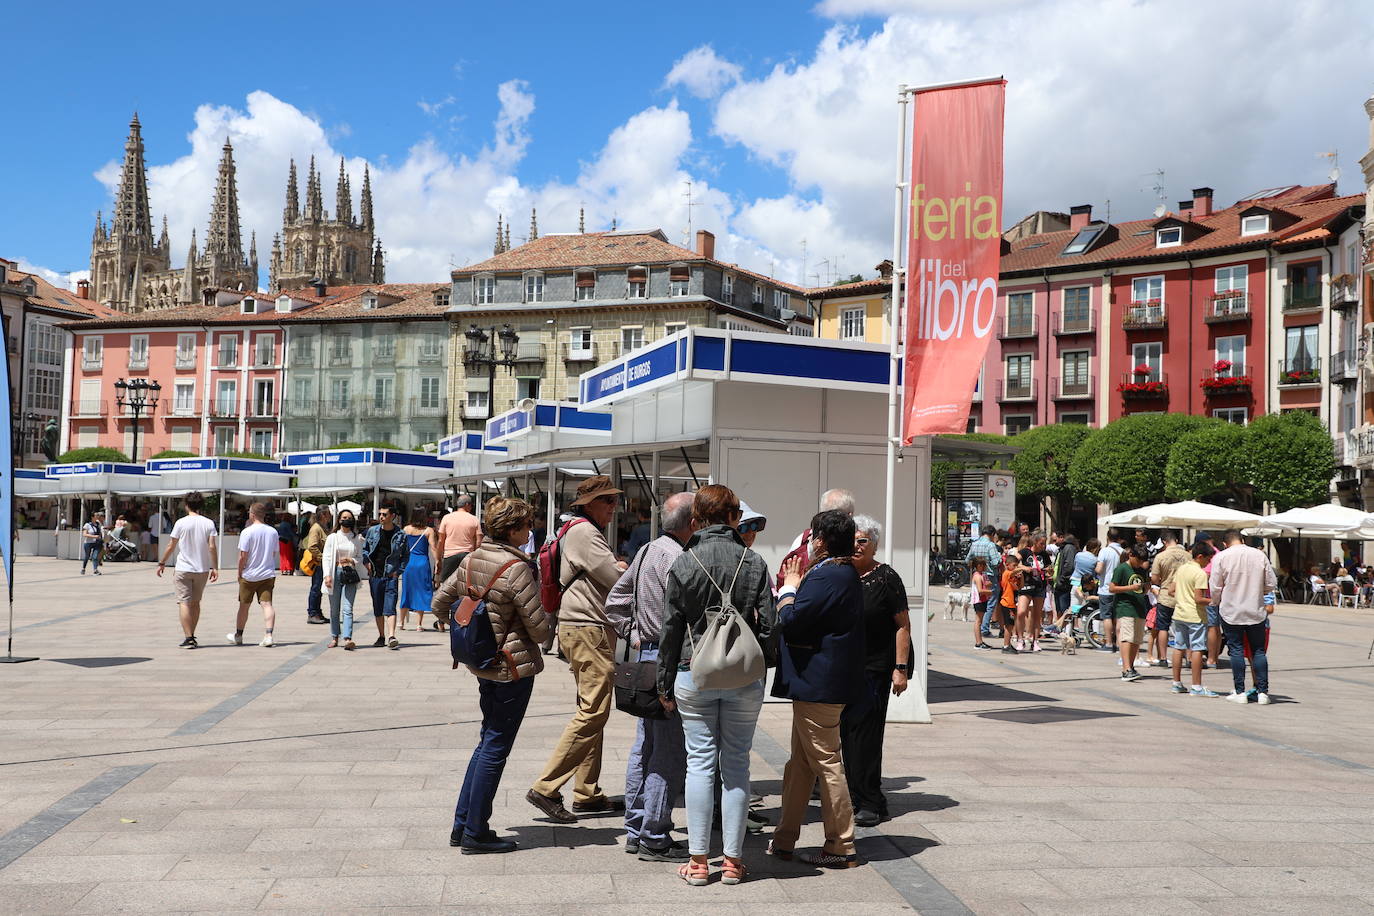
pixel 1231 350
pixel 534 287
pixel 340 391
pixel 305 392
pixel 1147 290
pixel 631 339
pixel 1254 225
pixel 757 297
pixel 1019 375
pixel 337 437
pixel 526 388
pixel 181 438
pixel 1076 372
pixel 383 389
pixel 1081 418
pixel 1077 307
pixel 431 345
pixel 93 353
pixel 429 392
pixel 262 441
pixel 638 279
pixel 226 398
pixel 484 290
pixel 384 346
pixel 45 345
pixel 672 327
pixel 1020 314
pixel 580 343
pixel 228 351
pixel 1232 279
pixel 184 398
pixel 679 279
pixel 852 323
pixel 1301 352
pixel 1169 237
pixel 441 297
pixel 224 439
pixel 1150 356
pixel 45 390
pixel 782 299
pixel 727 287
pixel 186 351
pixel 138 351
pixel 477 403
pixel 1236 415
pixel 266 350
pixel 1016 423
pixel 585 285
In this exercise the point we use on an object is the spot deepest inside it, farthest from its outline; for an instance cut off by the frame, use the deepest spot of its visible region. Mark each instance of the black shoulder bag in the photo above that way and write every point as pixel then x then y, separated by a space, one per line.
pixel 636 684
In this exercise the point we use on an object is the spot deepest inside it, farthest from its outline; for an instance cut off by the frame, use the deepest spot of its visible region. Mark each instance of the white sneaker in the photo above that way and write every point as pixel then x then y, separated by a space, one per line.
pixel 234 639
pixel 266 641
pixel 1237 698
pixel 1264 699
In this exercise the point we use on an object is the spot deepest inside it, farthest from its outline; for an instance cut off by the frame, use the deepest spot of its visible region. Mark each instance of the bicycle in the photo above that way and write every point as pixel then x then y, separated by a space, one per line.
pixel 944 571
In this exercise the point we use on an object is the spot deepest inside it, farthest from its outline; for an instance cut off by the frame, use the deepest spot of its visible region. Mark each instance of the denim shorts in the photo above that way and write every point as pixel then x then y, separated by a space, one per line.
pixel 1108 605
pixel 1163 617
pixel 1213 615
pixel 1190 637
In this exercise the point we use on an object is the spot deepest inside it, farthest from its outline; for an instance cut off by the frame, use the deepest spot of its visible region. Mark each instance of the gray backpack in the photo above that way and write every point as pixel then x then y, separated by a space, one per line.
pixel 728 655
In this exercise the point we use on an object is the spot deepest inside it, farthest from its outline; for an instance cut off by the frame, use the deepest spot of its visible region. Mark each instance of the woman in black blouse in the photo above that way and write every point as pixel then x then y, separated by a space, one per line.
pixel 1030 601
pixel 887 641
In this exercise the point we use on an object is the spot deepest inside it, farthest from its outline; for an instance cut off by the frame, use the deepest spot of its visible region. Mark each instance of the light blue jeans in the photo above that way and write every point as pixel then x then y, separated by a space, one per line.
pixel 717 724
pixel 341 608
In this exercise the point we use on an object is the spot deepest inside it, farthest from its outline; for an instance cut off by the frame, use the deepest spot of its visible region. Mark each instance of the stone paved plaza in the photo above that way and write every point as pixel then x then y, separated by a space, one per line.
pixel 138 777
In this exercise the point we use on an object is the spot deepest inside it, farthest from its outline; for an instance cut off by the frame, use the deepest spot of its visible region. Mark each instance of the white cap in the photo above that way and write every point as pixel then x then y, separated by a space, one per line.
pixel 748 515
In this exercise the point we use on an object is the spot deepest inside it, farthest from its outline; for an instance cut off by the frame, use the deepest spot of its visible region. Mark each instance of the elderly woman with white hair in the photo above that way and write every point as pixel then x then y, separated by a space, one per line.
pixel 887 642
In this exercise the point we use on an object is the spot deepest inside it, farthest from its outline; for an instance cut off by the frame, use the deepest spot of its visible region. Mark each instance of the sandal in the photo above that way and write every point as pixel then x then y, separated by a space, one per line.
pixel 695 873
pixel 732 872
pixel 785 854
pixel 333 642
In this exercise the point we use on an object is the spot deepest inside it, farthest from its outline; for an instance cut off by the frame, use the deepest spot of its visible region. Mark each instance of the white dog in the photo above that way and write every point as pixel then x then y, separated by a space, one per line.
pixel 956 600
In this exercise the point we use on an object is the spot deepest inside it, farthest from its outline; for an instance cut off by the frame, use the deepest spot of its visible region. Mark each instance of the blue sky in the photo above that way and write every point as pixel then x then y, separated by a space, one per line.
pixel 779 113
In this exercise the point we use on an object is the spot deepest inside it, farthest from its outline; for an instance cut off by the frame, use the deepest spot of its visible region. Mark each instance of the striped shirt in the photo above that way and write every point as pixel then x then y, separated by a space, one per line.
pixel 646 599
pixel 987 550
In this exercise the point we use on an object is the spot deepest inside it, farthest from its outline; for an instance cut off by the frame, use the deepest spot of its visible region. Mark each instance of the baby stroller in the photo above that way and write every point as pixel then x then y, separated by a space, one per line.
pixel 119 549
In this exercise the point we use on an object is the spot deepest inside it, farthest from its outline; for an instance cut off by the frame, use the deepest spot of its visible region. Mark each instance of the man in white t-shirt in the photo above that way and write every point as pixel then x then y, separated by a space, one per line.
pixel 193 538
pixel 259 556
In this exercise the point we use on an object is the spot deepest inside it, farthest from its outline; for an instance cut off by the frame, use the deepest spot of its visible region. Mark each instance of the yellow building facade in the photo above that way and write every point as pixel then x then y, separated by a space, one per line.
pixel 852 311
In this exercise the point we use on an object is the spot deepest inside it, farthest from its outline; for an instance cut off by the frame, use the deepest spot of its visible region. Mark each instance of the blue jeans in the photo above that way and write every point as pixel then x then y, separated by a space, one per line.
pixel 717 724
pixel 654 775
pixel 503 709
pixel 90 551
pixel 341 607
pixel 312 603
pixel 1236 637
pixel 383 590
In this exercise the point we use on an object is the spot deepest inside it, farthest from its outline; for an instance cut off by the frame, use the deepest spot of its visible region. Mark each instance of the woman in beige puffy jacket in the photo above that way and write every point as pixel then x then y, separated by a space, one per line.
pixel 507 575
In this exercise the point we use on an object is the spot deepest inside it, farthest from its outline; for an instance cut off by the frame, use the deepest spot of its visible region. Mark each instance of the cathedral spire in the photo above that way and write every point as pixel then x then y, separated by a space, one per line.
pixel 366 203
pixel 189 293
pixel 581 220
pixel 498 247
pixel 314 207
pixel 99 232
pixel 378 264
pixel 506 243
pixel 534 224
pixel 253 256
pixel 292 211
pixel 343 197
pixel 225 239
pixel 165 243
pixel 132 217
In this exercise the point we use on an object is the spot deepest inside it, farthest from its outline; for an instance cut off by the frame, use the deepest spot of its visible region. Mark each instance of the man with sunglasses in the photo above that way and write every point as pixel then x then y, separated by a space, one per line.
pixel 384 557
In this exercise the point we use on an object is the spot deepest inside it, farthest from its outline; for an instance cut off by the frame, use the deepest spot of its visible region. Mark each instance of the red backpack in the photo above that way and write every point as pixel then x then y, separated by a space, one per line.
pixel 551 587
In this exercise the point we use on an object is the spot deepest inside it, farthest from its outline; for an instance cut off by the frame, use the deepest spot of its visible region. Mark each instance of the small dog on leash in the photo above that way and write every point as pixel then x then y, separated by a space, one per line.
pixel 956 600
pixel 1068 644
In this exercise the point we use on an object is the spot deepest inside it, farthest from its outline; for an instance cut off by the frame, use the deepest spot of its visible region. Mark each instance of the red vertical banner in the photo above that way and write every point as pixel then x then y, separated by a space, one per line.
pixel 954 239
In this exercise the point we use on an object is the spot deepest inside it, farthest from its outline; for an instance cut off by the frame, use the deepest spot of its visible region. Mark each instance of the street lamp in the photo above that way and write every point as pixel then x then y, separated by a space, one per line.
pixel 490 348
pixel 136 394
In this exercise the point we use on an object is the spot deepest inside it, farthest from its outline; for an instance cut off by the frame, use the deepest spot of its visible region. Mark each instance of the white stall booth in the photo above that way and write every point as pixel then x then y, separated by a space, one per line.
pixel 779 420
pixel 99 479
pixel 248 477
pixel 31 484
pixel 352 469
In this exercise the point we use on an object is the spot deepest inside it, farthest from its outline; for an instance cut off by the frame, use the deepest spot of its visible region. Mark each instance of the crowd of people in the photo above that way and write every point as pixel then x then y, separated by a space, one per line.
pixel 1160 604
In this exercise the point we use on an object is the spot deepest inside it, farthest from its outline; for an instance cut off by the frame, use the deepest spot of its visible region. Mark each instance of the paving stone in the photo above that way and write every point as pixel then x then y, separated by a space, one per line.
pixel 369 891
pixel 281 839
pixel 45 898
pixel 173 896
pixel 34 869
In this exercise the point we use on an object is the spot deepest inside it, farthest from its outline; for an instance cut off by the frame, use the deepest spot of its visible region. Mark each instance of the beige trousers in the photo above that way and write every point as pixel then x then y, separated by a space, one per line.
pixel 590 653
pixel 816 755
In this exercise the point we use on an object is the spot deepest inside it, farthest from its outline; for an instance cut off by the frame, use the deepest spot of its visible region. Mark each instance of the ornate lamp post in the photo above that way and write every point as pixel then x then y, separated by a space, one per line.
pixel 490 348
pixel 136 394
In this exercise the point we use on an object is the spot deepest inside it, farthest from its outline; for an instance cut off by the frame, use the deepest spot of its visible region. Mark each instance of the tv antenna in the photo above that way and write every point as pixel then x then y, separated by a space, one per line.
pixel 1158 187
pixel 690 204
pixel 803 263
pixel 1335 174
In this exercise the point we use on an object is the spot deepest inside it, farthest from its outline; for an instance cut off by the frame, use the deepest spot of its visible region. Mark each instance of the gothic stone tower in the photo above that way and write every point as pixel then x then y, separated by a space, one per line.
pixel 343 251
pixel 124 254
pixel 222 264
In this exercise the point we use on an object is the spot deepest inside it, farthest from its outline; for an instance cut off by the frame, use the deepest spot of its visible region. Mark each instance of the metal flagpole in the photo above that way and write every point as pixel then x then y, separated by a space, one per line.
pixel 894 324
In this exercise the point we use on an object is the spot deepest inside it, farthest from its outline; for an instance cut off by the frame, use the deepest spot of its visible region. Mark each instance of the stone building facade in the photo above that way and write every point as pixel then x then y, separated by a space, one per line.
pixel 342 251
pixel 578 300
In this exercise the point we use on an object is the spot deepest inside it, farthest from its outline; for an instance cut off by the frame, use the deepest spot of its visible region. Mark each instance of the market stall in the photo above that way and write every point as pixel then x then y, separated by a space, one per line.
pixel 251 478
pixel 102 480
pixel 350 470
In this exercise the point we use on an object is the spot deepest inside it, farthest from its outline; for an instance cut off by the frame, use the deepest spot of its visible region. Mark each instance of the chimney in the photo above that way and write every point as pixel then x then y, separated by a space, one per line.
pixel 1202 202
pixel 885 269
pixel 706 244
pixel 1080 216
pixel 320 287
pixel 83 289
pixel 1185 208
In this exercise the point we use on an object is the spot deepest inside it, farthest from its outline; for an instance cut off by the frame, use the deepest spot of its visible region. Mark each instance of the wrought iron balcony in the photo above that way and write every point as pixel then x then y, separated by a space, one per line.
pixel 1302 297
pixel 302 356
pixel 138 363
pixel 579 353
pixel 378 407
pixel 186 360
pixel 90 407
pixel 1143 385
pixel 1018 328
pixel 301 408
pixel 338 407
pixel 1067 324
pixel 1294 373
pixel 530 352
pixel 1345 367
pixel 1220 384
pixel 420 407
pixel 1146 313
pixel 224 408
pixel 1227 306
pixel 1072 388
pixel 1345 293
pixel 1019 389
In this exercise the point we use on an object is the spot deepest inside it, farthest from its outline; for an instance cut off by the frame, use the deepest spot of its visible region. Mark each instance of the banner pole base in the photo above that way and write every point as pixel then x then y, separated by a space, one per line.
pixel 16 659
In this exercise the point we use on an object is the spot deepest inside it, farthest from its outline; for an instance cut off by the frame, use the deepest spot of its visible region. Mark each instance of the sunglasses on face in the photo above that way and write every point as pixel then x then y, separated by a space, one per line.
pixel 861 541
pixel 752 525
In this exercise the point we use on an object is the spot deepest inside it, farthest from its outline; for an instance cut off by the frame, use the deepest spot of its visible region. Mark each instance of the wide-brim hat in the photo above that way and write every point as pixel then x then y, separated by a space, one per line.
pixel 594 488
pixel 748 514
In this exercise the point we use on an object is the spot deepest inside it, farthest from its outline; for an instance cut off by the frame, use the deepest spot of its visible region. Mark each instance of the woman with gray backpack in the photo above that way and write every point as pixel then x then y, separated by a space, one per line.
pixel 713 650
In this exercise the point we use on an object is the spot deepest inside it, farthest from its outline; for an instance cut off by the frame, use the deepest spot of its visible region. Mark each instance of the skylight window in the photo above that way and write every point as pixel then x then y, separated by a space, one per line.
pixel 1168 236
pixel 1254 225
pixel 1084 239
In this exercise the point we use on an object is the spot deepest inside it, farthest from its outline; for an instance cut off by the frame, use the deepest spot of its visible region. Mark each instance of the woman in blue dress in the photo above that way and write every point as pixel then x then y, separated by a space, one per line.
pixel 422 567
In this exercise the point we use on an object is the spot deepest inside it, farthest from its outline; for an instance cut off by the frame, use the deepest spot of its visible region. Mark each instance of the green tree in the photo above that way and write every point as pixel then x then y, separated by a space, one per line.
pixel 1213 461
pixel 369 444
pixel 1124 461
pixel 172 453
pixel 83 455
pixel 259 456
pixel 1292 459
pixel 1042 465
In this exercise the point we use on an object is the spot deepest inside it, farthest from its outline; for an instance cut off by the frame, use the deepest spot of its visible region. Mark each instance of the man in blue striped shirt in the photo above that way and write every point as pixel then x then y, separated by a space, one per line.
pixel 986 548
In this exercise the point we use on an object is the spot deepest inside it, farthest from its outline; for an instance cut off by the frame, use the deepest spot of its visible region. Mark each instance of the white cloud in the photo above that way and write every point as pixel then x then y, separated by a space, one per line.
pixel 433 108
pixel 702 73
pixel 1100 93
pixel 849 9
pixel 62 279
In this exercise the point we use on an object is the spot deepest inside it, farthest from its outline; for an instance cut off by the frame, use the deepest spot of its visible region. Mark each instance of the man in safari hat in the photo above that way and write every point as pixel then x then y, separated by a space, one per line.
pixel 588 570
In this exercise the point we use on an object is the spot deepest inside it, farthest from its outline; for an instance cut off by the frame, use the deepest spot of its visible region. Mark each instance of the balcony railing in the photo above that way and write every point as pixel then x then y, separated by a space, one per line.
pixel 340 357
pixel 579 353
pixel 384 354
pixel 1018 327
pixel 1297 372
pixel 1359 446
pixel 138 362
pixel 263 408
pixel 1220 384
pixel 1345 367
pixel 302 356
pixel 264 360
pixel 419 407
pixel 1072 388
pixel 1074 324
pixel 85 407
pixel 1147 313
pixel 226 360
pixel 1300 297
pixel 1228 306
pixel 186 361
pixel 378 407
pixel 1345 293
pixel 475 413
pixel 89 363
pixel 301 408
pixel 220 408
pixel 338 407
pixel 1018 389
pixel 428 357
pixel 183 409
pixel 529 352
pixel 1143 385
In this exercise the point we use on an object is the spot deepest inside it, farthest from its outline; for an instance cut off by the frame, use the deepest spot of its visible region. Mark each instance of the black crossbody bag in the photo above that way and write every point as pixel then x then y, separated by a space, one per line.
pixel 636 682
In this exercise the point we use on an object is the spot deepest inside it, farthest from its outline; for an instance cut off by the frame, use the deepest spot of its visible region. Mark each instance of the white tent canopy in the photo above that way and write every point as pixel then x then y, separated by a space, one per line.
pixel 1185 514
pixel 1327 521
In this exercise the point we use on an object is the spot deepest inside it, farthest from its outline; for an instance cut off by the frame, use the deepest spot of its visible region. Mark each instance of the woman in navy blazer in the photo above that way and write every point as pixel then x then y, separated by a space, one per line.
pixel 820 667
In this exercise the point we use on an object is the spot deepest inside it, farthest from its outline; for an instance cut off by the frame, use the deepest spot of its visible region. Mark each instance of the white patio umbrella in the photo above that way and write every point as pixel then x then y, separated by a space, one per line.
pixel 348 504
pixel 1192 514
pixel 297 506
pixel 1327 521
pixel 1139 516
